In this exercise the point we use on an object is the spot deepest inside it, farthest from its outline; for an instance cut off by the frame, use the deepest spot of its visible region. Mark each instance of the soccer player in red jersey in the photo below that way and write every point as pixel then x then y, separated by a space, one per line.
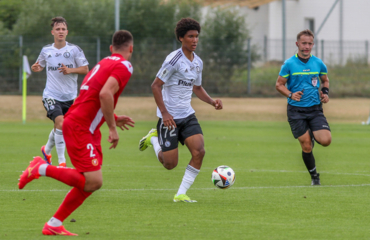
pixel 95 105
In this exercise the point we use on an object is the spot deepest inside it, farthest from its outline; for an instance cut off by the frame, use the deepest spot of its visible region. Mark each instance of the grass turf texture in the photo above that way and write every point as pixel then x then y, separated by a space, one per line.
pixel 271 199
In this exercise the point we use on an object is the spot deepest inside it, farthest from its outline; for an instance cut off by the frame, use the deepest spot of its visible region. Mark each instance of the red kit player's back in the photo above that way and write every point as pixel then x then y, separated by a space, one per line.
pixel 86 109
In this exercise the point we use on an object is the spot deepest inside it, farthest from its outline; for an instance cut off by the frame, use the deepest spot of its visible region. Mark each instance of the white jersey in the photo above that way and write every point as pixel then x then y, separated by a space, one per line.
pixel 59 86
pixel 179 75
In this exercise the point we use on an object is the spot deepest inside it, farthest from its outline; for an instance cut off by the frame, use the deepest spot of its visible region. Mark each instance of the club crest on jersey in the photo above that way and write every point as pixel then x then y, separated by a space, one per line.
pixel 95 162
pixel 198 69
pixel 66 54
pixel 164 72
pixel 167 143
pixel 314 81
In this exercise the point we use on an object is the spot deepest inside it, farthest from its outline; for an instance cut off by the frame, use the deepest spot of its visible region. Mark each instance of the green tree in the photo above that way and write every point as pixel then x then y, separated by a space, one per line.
pixel 223 48
pixel 9 11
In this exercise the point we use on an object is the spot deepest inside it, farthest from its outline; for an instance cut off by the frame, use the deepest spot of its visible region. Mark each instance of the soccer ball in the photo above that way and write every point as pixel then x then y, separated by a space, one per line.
pixel 223 177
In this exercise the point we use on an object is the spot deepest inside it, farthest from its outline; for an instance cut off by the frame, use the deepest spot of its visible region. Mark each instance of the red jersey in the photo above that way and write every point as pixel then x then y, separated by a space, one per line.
pixel 86 109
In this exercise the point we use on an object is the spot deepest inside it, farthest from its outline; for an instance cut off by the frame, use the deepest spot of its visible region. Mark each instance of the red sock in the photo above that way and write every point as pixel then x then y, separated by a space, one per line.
pixel 68 176
pixel 71 202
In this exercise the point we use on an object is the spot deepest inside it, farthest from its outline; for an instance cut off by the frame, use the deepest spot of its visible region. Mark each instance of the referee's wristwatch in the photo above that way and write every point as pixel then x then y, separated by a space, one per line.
pixel 290 95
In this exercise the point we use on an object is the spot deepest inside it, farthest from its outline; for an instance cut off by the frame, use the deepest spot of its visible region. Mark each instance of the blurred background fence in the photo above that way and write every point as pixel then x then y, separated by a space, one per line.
pixel 225 65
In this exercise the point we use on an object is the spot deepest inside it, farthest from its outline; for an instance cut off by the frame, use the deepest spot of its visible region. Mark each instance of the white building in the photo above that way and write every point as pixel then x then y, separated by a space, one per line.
pixel 345 32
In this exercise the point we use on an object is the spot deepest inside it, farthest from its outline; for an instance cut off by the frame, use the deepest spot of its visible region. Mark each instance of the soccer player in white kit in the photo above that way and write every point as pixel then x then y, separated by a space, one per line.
pixel 179 77
pixel 63 61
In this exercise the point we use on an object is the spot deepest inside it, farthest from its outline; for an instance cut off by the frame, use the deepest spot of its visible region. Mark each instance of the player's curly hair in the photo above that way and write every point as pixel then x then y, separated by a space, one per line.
pixel 121 39
pixel 58 20
pixel 184 25
pixel 306 32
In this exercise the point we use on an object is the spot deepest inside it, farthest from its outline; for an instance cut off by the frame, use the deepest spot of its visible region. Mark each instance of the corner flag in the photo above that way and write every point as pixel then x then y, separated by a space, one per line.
pixel 26 74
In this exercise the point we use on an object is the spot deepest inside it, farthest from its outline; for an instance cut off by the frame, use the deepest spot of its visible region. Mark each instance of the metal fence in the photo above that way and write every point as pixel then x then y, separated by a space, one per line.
pixel 228 77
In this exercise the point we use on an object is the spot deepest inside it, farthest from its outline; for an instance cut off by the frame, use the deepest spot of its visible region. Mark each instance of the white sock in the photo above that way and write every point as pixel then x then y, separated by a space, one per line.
pixel 60 145
pixel 190 174
pixel 51 143
pixel 157 148
pixel 42 169
pixel 54 222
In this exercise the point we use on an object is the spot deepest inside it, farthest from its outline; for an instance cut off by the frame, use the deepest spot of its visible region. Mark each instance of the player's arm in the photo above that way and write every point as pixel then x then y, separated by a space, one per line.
pixel 280 86
pixel 201 93
pixel 79 70
pixel 167 118
pixel 324 94
pixel 106 97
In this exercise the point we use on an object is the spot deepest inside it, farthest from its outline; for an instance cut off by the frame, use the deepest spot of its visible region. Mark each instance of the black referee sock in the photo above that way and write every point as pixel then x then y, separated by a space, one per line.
pixel 309 161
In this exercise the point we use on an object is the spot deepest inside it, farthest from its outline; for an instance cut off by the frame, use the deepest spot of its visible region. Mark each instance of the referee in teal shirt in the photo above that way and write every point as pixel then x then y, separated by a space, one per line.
pixel 300 79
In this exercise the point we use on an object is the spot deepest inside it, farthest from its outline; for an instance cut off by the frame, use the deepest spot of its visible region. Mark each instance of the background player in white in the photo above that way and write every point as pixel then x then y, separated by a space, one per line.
pixel 180 76
pixel 63 62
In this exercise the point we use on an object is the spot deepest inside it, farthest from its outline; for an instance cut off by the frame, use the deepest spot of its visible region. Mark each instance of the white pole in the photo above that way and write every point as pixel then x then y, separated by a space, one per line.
pixel 117 15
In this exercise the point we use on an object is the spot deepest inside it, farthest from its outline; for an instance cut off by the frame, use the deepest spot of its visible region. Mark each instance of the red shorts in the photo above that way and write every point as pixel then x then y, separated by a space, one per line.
pixel 83 147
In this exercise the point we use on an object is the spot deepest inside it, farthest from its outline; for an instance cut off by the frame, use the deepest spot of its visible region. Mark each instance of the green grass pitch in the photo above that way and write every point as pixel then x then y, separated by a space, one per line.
pixel 271 198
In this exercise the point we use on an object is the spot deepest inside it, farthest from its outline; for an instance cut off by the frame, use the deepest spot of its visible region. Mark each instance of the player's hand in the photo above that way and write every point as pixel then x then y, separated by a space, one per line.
pixel 324 97
pixel 36 67
pixel 297 96
pixel 113 137
pixel 217 104
pixel 123 121
pixel 168 121
pixel 64 69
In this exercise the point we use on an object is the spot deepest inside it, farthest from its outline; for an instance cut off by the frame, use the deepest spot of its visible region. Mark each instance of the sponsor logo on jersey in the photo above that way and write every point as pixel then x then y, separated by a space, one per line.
pixel 66 54
pixel 54 68
pixel 49 56
pixel 58 54
pixel 306 70
pixel 186 84
pixel 314 81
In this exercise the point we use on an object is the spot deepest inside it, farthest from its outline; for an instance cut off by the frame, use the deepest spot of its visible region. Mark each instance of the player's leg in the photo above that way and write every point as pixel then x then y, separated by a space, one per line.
pixel 51 112
pixel 323 137
pixel 307 155
pixel 301 131
pixel 320 128
pixel 60 144
pixel 164 142
pixel 46 149
pixel 192 133
pixel 72 201
pixel 86 155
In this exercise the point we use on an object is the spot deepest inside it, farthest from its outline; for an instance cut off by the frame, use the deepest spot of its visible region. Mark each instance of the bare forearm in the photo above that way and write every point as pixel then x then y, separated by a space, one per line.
pixel 203 95
pixel 157 93
pixel 107 108
pixel 283 90
pixel 80 70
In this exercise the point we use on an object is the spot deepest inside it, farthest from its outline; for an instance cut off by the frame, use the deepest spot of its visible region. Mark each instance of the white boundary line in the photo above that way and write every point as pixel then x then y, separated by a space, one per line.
pixel 201 189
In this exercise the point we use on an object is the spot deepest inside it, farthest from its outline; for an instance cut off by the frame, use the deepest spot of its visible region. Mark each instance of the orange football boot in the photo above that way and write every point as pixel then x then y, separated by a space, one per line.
pixel 47 157
pixel 49 230
pixel 31 172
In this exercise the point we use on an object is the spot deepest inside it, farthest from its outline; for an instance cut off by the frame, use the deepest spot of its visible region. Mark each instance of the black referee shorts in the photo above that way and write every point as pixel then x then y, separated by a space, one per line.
pixel 186 127
pixel 303 118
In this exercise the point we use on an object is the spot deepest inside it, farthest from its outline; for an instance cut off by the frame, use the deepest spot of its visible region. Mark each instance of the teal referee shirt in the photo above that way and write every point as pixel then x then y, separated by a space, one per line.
pixel 304 76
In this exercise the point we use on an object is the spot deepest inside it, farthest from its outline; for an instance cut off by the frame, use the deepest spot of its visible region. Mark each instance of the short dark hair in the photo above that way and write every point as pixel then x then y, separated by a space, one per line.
pixel 121 39
pixel 184 25
pixel 306 32
pixel 58 20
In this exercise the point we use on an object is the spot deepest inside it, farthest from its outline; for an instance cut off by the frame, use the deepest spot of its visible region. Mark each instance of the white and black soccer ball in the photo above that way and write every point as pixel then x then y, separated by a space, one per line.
pixel 223 177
